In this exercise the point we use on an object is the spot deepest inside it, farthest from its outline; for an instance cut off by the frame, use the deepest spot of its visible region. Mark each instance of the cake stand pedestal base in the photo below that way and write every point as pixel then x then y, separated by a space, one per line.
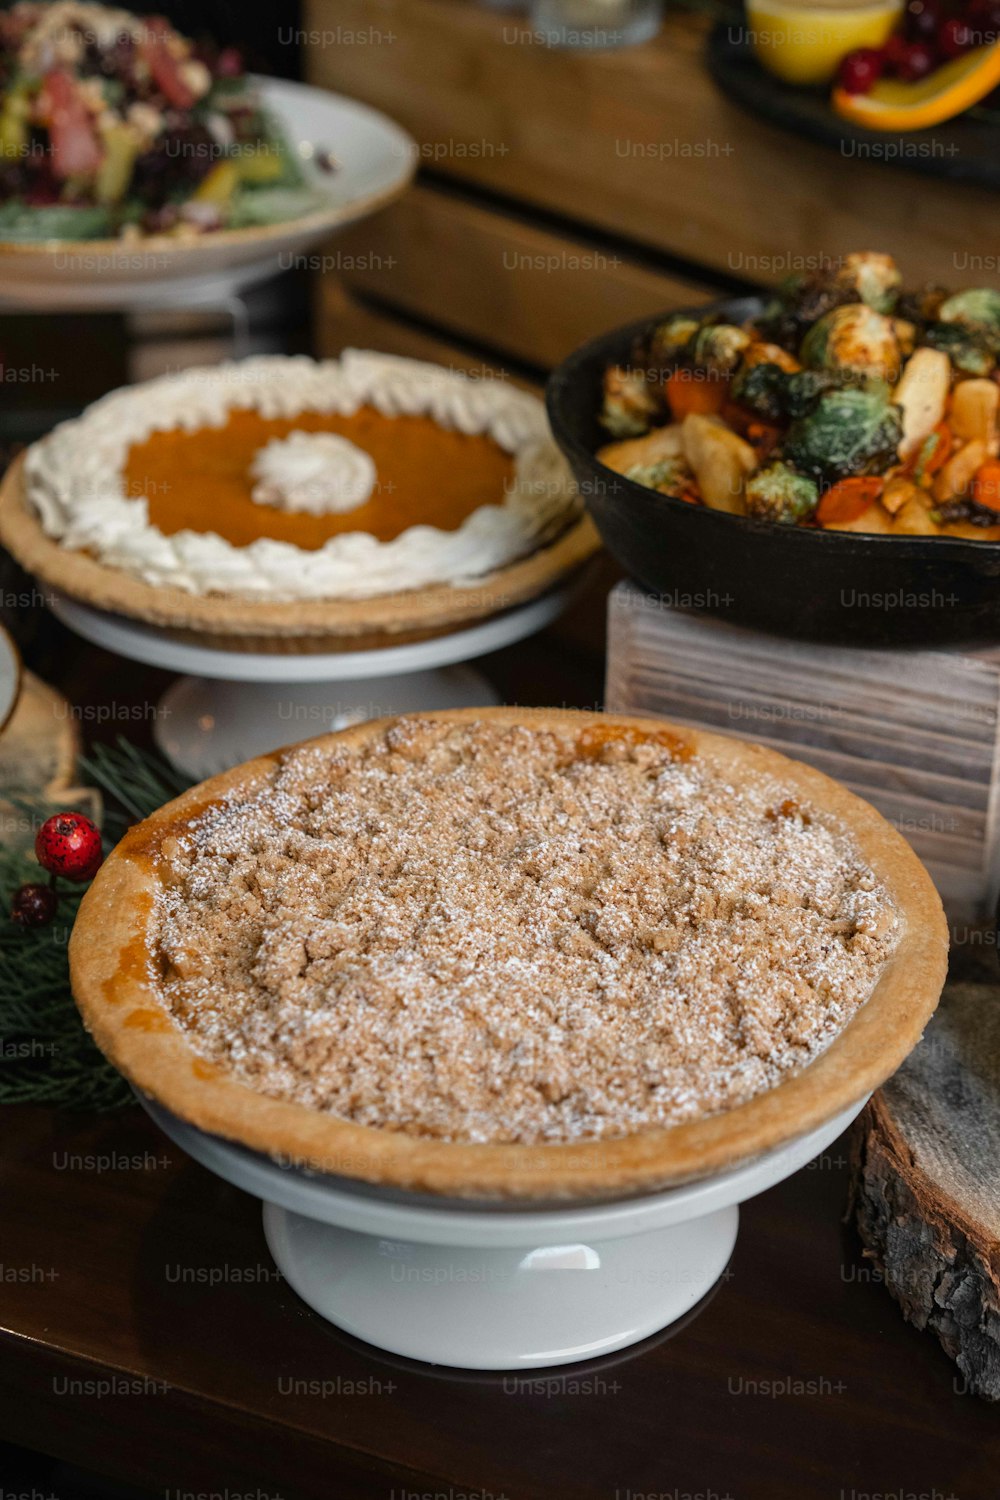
pixel 206 724
pixel 496 1285
pixel 501 1309
pixel 233 705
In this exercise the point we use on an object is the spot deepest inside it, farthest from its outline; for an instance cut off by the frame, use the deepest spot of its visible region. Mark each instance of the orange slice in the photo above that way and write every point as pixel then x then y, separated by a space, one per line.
pixel 892 105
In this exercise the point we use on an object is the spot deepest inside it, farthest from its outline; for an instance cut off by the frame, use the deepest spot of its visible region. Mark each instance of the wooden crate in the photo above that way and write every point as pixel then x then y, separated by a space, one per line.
pixel 914 732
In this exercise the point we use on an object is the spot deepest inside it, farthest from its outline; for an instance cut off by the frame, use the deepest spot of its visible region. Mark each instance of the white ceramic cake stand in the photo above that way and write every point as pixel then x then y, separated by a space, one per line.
pixel 245 703
pixel 487 1287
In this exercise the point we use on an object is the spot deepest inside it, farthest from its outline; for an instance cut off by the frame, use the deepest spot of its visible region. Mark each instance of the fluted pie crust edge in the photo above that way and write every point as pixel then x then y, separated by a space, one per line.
pixel 128 1022
pixel 308 625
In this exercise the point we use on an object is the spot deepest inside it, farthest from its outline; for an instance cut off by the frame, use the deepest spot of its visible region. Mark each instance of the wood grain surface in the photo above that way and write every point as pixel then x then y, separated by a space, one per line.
pixel 635 143
pixel 926 1189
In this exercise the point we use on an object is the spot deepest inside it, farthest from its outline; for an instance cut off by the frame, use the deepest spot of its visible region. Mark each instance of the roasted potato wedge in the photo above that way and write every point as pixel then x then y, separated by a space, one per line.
pixel 662 442
pixel 719 460
pixel 922 394
pixel 875 519
pixel 958 473
pixel 898 490
pixel 973 415
pixel 914 518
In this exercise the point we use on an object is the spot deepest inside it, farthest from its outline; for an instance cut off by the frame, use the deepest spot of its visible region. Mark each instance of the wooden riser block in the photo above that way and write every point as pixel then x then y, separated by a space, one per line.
pixel 914 732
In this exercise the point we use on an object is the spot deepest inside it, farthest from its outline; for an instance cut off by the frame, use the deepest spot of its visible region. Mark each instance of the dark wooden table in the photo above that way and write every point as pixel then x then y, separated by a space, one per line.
pixel 147 1336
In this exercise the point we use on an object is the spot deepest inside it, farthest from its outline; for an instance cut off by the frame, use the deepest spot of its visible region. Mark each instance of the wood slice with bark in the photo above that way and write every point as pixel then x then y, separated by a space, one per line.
pixel 926 1183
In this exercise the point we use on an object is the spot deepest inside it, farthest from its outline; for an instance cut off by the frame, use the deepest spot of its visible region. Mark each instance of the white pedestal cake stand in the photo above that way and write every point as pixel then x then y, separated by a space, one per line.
pixel 239 704
pixel 489 1287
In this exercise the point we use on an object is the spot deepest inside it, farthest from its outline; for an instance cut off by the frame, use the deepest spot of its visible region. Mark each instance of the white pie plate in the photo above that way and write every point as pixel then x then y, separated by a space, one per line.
pixel 376 159
pixel 494 1286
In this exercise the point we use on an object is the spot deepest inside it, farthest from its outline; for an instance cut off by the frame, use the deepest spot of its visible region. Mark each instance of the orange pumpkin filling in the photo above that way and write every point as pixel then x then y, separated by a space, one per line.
pixel 427 475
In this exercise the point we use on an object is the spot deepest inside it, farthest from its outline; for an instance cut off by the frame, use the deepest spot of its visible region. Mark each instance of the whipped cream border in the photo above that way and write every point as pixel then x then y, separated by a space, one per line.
pixel 75 480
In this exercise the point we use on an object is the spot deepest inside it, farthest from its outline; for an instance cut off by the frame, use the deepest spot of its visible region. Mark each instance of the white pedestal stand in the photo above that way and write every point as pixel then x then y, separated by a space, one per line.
pixel 493 1287
pixel 239 704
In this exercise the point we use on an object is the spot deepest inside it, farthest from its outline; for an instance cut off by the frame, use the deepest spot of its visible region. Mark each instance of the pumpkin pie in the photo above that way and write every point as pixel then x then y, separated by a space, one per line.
pixel 283 497
pixel 504 953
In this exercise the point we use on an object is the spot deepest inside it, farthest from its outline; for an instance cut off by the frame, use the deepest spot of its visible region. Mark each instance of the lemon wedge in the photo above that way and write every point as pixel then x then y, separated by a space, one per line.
pixel 893 105
pixel 802 41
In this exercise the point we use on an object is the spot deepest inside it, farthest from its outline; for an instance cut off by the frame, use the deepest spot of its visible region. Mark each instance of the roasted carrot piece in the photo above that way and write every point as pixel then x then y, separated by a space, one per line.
pixel 696 391
pixel 848 499
pixel 933 453
pixel 986 485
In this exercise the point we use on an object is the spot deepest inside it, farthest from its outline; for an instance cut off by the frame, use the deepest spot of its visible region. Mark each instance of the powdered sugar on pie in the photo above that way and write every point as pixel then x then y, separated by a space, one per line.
pixel 483 931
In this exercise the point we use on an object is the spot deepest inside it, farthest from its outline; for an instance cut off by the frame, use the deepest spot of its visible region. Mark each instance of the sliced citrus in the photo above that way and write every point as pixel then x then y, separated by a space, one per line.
pixel 893 105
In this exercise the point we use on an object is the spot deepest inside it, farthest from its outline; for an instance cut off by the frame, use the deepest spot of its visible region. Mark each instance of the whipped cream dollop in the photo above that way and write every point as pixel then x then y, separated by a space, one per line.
pixel 319 472
pixel 75 479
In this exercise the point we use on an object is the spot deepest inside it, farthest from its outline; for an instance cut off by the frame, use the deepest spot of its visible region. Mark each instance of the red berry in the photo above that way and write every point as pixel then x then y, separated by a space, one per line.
pixel 894 51
pixel 983 16
pixel 982 23
pixel 918 61
pixel 860 70
pixel 923 18
pixel 69 844
pixel 34 905
pixel 229 63
pixel 954 38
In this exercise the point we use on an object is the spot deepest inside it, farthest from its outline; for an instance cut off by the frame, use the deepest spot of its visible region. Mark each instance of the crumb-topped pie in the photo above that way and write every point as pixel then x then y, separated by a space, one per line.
pixel 285 496
pixel 511 953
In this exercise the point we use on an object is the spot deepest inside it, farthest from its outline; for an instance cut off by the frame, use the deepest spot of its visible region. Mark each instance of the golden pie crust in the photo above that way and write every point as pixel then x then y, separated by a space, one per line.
pixel 109 952
pixel 301 625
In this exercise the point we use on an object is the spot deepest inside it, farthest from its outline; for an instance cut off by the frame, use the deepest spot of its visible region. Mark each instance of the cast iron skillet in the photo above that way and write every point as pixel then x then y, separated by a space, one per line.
pixel 792 580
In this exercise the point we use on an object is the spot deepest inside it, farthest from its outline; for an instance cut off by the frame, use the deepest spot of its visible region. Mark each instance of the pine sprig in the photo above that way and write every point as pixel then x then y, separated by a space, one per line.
pixel 46 1055
pixel 134 782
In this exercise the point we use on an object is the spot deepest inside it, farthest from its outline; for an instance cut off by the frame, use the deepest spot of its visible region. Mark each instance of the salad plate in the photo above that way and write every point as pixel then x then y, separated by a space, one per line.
pixel 372 159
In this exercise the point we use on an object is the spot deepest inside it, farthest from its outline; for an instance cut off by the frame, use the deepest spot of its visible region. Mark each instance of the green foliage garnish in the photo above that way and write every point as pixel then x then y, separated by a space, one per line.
pixel 46 1055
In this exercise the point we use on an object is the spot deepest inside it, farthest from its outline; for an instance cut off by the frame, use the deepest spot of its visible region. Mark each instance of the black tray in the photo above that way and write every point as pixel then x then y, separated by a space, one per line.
pixel 792 580
pixel 965 149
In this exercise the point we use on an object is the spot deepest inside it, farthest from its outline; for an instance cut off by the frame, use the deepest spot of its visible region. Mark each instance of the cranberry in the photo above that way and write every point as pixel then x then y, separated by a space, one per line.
pixel 34 905
pixel 954 38
pixel 860 70
pixel 918 60
pixel 982 22
pixel 894 51
pixel 923 19
pixel 229 63
pixel 69 844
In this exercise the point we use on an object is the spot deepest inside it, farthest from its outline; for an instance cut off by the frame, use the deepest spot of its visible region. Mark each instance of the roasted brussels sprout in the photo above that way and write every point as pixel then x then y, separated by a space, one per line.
pixel 846 432
pixel 964 510
pixel 806 385
pixel 778 493
pixel 671 476
pixel 978 309
pixel 631 402
pixel 854 339
pixel 762 389
pixel 866 277
pixel 967 348
pixel 669 340
pixel 774 394
pixel 923 305
pixel 718 347
pixel 874 279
